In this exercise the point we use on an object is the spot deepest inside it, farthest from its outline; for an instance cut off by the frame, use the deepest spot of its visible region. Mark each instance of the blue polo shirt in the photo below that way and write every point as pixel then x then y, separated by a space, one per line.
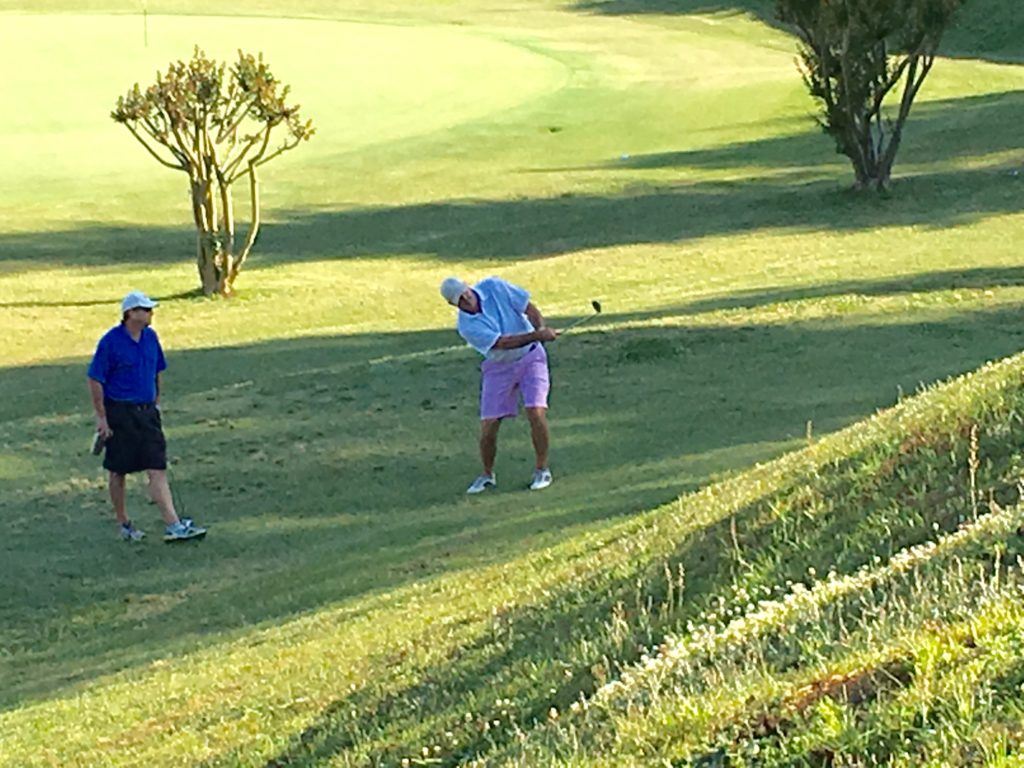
pixel 127 368
pixel 502 305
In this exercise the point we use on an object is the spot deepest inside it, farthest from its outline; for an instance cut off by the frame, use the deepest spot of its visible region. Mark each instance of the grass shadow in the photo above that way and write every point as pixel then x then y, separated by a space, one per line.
pixel 195 293
pixel 550 653
pixel 759 9
pixel 979 278
pixel 541 228
pixel 983 125
pixel 810 198
pixel 325 478
pixel 987 29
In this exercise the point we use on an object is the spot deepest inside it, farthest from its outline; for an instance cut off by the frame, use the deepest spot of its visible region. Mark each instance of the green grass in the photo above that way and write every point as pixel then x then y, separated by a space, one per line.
pixel 662 163
pixel 894 653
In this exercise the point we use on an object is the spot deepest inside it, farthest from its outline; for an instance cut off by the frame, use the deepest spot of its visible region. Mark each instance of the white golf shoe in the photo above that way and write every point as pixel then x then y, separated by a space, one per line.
pixel 482 483
pixel 541 479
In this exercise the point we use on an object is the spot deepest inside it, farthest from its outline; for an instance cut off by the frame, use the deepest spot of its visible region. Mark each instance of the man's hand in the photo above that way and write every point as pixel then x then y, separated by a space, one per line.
pixel 517 340
pixel 103 428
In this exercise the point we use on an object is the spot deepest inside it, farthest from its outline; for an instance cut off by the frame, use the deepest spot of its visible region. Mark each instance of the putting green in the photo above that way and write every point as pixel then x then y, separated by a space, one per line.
pixel 361 83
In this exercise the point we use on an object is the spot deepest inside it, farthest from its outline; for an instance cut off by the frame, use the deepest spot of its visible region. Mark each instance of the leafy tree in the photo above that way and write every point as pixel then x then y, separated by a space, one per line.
pixel 215 124
pixel 852 54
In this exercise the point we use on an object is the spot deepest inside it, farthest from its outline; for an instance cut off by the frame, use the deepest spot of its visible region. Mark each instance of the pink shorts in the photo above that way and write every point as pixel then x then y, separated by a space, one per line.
pixel 503 381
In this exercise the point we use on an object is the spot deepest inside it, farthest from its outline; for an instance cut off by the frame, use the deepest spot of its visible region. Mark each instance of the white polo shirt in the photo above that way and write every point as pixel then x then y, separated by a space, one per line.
pixel 502 308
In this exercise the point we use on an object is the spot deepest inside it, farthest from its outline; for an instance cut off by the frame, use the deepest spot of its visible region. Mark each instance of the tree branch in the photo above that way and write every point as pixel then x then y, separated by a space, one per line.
pixel 226 128
pixel 183 146
pixel 280 150
pixel 162 161
pixel 259 154
pixel 232 165
pixel 254 228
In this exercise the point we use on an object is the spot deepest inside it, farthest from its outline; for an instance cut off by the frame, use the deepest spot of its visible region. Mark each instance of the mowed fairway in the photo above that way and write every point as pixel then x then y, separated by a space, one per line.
pixel 322 423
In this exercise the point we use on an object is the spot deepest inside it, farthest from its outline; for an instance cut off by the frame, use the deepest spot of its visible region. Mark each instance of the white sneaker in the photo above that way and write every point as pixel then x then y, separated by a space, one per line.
pixel 129 532
pixel 482 483
pixel 541 479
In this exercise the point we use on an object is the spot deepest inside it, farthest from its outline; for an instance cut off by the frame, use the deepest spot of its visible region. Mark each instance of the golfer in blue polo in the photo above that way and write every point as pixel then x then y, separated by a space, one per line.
pixel 124 380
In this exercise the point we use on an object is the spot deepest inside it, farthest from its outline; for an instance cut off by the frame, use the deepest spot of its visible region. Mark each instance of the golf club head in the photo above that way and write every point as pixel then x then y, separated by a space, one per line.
pixel 586 318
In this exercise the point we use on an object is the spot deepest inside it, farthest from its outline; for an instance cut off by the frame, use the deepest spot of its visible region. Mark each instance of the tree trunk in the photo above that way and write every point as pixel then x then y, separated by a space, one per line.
pixel 870 151
pixel 852 144
pixel 206 252
pixel 227 237
pixel 206 257
pixel 254 229
pixel 216 261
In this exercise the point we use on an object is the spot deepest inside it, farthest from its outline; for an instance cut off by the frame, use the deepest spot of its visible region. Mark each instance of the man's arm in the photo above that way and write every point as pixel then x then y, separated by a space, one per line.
pixel 96 391
pixel 540 331
pixel 161 365
pixel 534 316
pixel 516 340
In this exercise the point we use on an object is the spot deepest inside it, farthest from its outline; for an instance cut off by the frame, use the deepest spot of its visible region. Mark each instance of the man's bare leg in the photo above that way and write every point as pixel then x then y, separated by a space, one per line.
pixel 489 443
pixel 116 486
pixel 160 492
pixel 539 434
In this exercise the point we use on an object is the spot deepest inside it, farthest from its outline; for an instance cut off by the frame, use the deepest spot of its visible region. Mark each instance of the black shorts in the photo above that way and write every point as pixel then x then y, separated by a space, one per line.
pixel 138 441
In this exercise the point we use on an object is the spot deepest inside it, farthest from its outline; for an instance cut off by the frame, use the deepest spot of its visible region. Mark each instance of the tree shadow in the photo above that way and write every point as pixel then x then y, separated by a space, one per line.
pixel 984 124
pixel 810 197
pixel 986 29
pixel 759 9
pixel 195 293
pixel 534 229
pixel 326 478
pixel 979 278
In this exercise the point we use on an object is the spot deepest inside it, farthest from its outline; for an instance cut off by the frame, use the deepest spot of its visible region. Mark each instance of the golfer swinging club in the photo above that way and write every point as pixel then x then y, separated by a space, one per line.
pixel 497 319
pixel 124 380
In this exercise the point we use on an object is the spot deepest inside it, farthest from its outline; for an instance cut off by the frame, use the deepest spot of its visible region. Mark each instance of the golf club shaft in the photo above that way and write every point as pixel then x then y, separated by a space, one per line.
pixel 179 505
pixel 579 321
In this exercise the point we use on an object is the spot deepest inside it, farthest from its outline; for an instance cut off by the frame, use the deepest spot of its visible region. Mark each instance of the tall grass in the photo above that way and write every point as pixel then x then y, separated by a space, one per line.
pixel 743 687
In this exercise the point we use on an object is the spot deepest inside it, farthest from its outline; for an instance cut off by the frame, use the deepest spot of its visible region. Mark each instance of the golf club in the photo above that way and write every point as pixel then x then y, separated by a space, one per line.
pixel 581 320
pixel 179 506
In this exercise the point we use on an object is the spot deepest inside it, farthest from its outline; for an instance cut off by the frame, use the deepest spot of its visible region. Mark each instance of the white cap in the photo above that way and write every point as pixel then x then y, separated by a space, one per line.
pixel 451 289
pixel 137 299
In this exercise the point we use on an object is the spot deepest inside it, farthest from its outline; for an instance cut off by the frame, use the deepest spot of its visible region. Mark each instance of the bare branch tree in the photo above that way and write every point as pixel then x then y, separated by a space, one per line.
pixel 216 125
